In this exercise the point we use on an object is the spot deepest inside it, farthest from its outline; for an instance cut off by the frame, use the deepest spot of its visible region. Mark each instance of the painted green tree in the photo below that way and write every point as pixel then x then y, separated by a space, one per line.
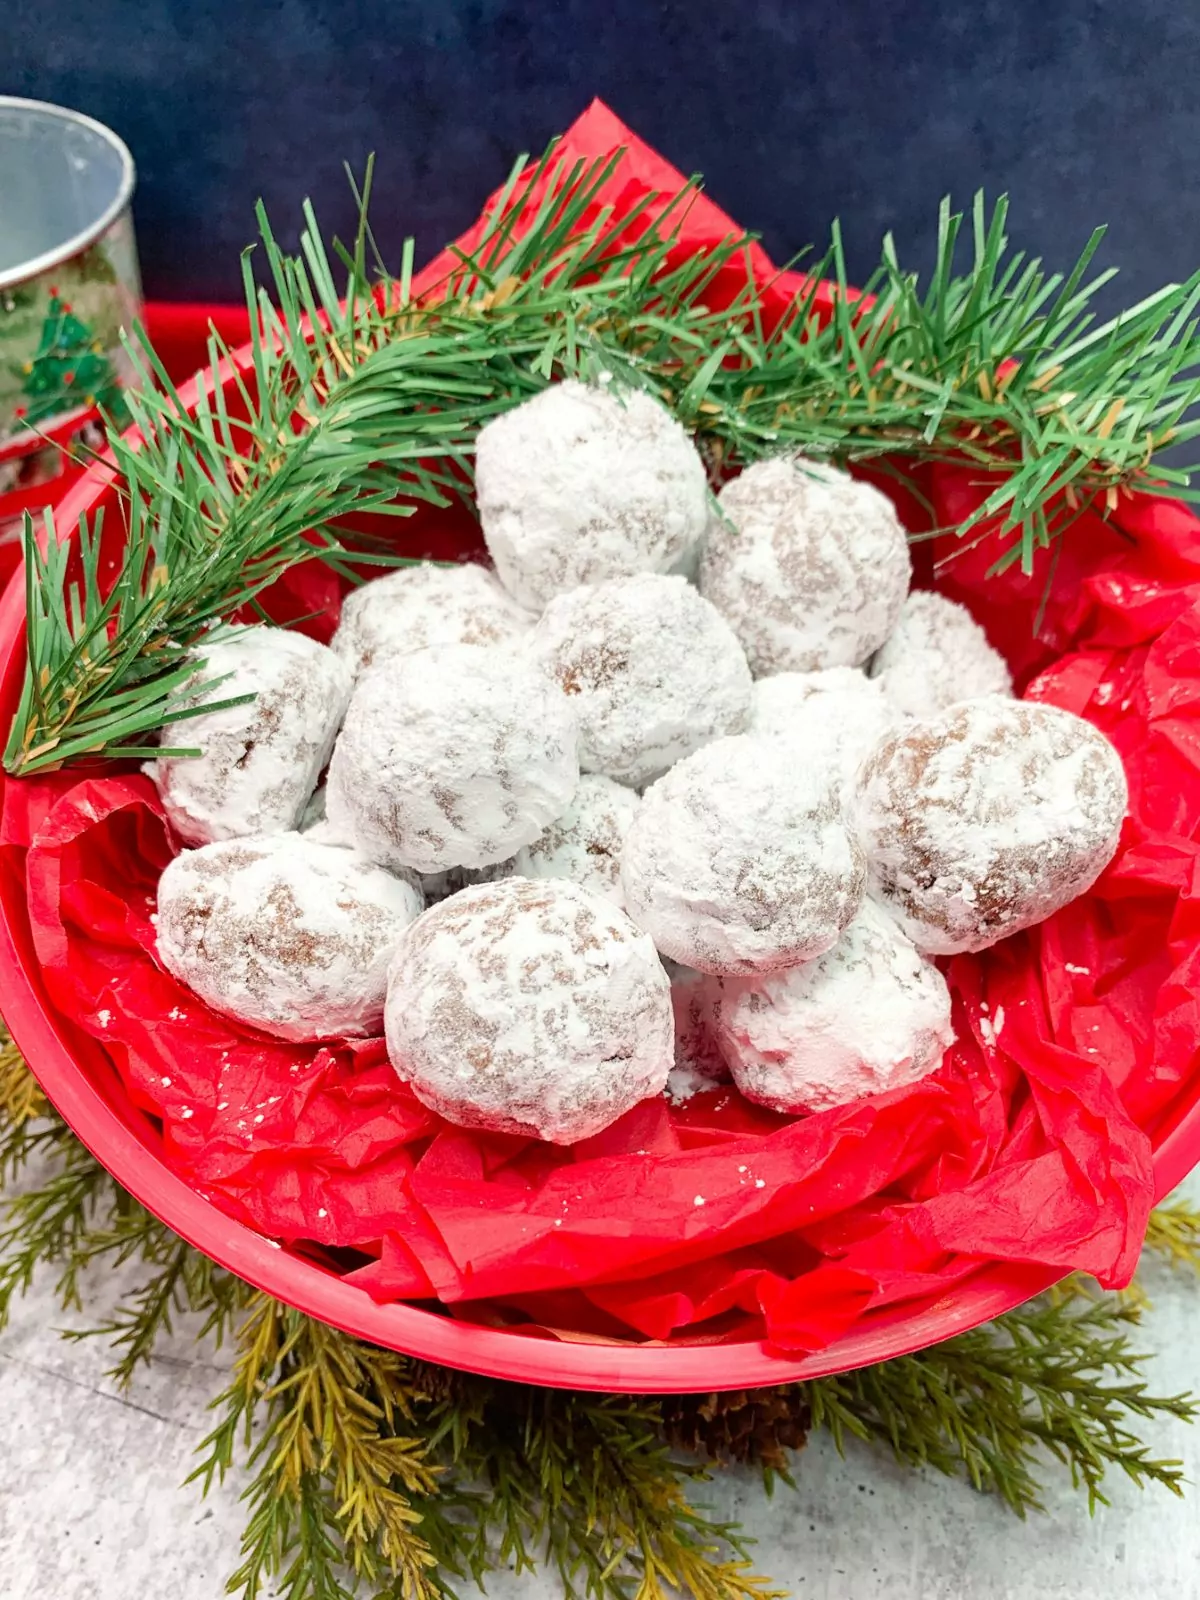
pixel 70 368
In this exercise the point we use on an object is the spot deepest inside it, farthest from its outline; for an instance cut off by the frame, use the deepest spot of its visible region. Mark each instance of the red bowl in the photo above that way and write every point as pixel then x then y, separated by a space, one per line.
pixel 87 1092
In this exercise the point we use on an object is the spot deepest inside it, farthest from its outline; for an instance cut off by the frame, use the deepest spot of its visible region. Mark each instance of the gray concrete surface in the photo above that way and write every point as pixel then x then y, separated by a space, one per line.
pixel 92 1505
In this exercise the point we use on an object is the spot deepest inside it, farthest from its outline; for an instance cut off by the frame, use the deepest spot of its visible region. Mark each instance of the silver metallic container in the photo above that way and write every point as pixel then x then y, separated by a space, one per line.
pixel 68 284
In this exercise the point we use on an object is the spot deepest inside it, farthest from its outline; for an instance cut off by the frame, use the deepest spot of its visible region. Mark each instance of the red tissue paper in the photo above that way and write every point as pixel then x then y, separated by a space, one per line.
pixel 715 1219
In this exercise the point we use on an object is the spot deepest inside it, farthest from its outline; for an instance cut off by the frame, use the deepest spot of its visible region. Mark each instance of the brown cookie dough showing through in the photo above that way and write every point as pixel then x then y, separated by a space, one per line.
pixel 739 859
pixel 585 843
pixel 651 669
pixel 283 934
pixel 529 1007
pixel 808 566
pixel 987 819
pixel 586 482
pixel 260 761
pixel 454 756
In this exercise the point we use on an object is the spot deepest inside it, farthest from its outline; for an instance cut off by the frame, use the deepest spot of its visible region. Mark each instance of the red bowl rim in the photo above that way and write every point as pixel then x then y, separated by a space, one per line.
pixel 599 1365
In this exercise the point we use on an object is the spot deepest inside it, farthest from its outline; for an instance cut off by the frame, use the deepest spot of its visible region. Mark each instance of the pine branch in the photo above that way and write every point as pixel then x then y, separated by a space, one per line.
pixel 337 1476
pixel 1059 1376
pixel 365 398
pixel 1173 1233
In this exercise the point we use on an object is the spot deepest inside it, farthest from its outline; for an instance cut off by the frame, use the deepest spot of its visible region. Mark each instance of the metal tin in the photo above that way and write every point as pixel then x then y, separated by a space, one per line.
pixel 68 285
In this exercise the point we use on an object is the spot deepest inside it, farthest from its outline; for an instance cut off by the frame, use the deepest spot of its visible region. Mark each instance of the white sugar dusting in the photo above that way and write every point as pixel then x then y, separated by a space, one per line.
pixel 836 716
pixel 809 566
pixel 529 1007
pixel 585 842
pixel 427 604
pixel 936 656
pixel 581 484
pixel 289 936
pixel 652 672
pixel 698 1056
pixel 867 1016
pixel 260 760
pixel 987 819
pixel 451 757
pixel 739 860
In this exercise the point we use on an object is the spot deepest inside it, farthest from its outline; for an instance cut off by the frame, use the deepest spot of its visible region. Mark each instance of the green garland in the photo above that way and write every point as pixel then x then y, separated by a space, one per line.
pixel 371 1473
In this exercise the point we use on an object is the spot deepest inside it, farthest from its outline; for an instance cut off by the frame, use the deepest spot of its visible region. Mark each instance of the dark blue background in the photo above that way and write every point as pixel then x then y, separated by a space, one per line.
pixel 794 112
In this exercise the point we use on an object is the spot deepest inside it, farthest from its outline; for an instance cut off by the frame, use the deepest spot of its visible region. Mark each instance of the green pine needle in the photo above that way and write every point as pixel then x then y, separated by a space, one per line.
pixel 1054 1375
pixel 359 397
pixel 1173 1234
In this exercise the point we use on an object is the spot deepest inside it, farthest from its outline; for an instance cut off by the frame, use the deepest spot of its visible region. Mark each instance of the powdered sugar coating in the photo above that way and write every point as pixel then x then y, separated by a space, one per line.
pixel 869 1015
pixel 283 934
pixel 809 566
pixel 585 843
pixel 652 671
pixel 987 819
pixel 315 825
pixel 936 656
pixel 261 760
pixel 451 757
pixel 426 604
pixel 580 484
pixel 529 1007
pixel 836 716
pixel 696 1048
pixel 739 860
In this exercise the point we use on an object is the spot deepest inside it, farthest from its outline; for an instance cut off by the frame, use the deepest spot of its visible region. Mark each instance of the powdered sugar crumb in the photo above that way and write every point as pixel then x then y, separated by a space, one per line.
pixel 683 1083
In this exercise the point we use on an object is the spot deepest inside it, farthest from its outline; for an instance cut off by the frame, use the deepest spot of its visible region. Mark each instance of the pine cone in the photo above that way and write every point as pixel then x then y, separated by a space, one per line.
pixel 432 1382
pixel 743 1425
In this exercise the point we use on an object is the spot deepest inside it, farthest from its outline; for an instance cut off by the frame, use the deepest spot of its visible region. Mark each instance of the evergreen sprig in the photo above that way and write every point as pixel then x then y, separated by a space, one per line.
pixel 1056 1375
pixel 1173 1234
pixel 373 1473
pixel 359 396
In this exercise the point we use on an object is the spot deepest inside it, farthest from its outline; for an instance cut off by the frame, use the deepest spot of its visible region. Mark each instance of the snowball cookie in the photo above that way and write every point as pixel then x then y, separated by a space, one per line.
pixel 580 484
pixel 585 843
pixel 739 860
pixel 937 656
pixel 870 1014
pixel 652 672
pixel 451 757
pixel 283 934
pixel 987 819
pixel 529 1007
pixel 260 760
pixel 809 566
pixel 425 604
pixel 837 716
